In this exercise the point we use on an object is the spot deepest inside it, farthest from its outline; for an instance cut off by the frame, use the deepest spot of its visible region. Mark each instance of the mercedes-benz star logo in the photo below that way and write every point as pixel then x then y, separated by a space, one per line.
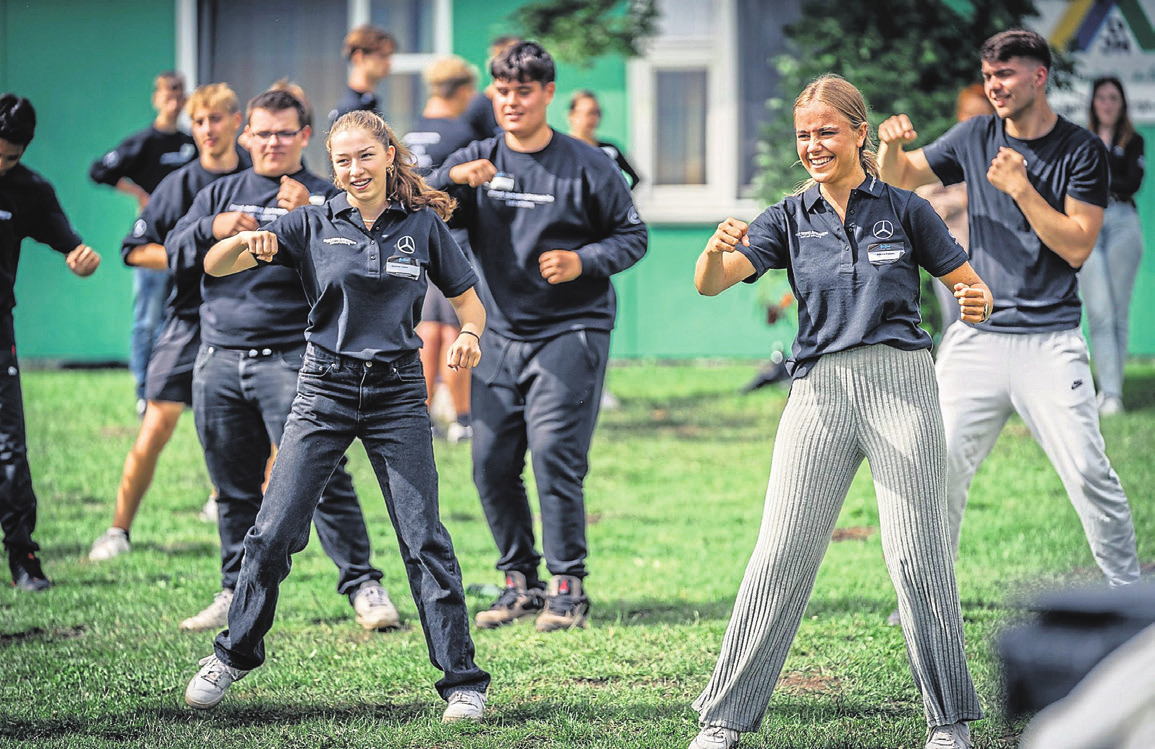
pixel 883 229
pixel 405 244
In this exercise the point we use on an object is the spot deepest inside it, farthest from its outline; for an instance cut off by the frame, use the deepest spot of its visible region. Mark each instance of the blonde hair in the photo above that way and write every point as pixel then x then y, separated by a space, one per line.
pixel 841 95
pixel 213 96
pixel 445 76
pixel 405 185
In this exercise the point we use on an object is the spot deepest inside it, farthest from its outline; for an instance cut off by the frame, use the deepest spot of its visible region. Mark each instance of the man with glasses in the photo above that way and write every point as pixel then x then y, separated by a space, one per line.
pixel 369 51
pixel 252 342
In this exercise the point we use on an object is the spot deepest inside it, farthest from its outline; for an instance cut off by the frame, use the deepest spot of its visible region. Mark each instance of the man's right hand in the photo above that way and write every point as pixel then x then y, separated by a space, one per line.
pixel 229 224
pixel 473 173
pixel 897 130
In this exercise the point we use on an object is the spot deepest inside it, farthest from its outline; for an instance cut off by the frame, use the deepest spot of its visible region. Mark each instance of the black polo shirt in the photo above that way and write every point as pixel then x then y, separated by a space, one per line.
pixel 856 284
pixel 145 158
pixel 169 202
pixel 265 309
pixel 1035 290
pixel 28 208
pixel 352 101
pixel 567 196
pixel 366 286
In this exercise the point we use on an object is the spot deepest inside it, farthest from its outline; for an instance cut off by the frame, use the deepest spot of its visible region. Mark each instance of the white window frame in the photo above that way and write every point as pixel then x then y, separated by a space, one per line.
pixel 717 55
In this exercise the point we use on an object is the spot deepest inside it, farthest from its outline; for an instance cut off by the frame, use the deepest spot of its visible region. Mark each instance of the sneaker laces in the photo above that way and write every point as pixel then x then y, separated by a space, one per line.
pixel 509 598
pixel 374 595
pixel 562 604
pixel 218 668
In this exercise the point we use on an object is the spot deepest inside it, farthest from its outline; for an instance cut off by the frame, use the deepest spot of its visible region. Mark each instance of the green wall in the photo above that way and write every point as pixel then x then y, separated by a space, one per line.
pixel 87 67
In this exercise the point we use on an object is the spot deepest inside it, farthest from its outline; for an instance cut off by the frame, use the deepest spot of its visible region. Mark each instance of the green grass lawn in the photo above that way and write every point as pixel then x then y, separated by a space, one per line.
pixel 674 500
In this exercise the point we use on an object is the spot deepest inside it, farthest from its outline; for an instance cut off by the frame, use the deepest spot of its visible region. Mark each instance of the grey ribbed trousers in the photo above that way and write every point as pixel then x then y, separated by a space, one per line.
pixel 872 402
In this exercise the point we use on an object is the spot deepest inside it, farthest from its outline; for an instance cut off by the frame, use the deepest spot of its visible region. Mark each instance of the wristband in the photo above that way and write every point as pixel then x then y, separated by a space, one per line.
pixel 470 332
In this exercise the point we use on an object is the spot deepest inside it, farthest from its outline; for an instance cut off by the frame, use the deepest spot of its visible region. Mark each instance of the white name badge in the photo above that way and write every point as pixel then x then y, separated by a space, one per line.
pixel 403 267
pixel 885 253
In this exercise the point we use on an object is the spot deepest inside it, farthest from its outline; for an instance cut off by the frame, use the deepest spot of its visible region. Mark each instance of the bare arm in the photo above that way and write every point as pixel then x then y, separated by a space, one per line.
pixel 151 256
pixel 466 350
pixel 240 252
pixel 905 169
pixel 974 298
pixel 720 265
pixel 1071 234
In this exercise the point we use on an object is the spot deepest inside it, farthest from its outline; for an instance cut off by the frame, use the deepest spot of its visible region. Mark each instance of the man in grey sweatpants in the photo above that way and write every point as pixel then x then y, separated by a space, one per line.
pixel 1037 185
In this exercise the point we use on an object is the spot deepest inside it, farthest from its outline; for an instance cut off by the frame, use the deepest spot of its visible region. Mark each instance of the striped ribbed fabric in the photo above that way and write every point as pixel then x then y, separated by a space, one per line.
pixel 878 403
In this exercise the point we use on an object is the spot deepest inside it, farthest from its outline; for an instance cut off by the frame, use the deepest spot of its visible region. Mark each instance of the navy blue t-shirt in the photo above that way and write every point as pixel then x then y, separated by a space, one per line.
pixel 145 158
pixel 266 308
pixel 1035 290
pixel 432 139
pixel 567 196
pixel 354 101
pixel 28 208
pixel 169 202
pixel 366 286
pixel 856 284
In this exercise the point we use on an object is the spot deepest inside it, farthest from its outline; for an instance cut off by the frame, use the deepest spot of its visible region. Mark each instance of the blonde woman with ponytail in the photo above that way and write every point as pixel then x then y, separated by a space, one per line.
pixel 863 387
pixel 365 258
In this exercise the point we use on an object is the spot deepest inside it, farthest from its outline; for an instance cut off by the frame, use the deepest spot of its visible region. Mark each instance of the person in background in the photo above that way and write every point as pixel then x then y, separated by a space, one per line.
pixel 216 119
pixel 136 167
pixel 585 114
pixel 28 208
pixel 480 111
pixel 864 387
pixel 369 50
pixel 1107 277
pixel 442 129
pixel 951 203
pixel 364 258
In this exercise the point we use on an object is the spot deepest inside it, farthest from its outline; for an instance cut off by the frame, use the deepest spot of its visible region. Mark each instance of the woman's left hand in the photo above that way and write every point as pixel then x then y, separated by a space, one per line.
pixel 974 303
pixel 465 352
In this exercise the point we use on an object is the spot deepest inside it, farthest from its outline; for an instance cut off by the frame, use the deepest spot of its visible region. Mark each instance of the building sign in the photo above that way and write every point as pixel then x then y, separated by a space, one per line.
pixel 1106 37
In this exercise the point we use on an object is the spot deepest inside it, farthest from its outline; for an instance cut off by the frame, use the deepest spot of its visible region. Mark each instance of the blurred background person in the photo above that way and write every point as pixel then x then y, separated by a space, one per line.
pixel 136 167
pixel 1107 278
pixel 585 114
pixel 369 50
pixel 451 84
pixel 480 112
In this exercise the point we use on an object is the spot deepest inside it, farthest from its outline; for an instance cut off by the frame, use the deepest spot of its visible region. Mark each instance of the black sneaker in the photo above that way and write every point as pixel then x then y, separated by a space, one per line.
pixel 566 605
pixel 517 601
pixel 27 574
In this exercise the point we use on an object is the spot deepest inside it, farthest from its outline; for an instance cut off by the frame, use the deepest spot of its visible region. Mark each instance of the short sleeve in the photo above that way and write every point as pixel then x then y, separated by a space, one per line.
pixel 945 155
pixel 1090 174
pixel 936 249
pixel 769 244
pixel 292 238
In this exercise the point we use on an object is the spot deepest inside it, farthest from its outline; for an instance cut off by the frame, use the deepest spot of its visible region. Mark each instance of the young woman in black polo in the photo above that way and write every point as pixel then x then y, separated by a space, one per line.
pixel 864 387
pixel 365 259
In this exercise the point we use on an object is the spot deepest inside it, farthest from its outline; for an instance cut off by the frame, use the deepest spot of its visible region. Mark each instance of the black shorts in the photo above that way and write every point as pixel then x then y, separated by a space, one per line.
pixel 170 369
pixel 436 308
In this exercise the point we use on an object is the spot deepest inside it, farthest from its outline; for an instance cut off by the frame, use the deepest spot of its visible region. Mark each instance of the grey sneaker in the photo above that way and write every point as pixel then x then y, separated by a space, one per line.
pixel 515 602
pixel 715 737
pixel 954 736
pixel 373 607
pixel 208 513
pixel 216 616
pixel 464 704
pixel 457 433
pixel 208 687
pixel 566 605
pixel 113 543
pixel 893 620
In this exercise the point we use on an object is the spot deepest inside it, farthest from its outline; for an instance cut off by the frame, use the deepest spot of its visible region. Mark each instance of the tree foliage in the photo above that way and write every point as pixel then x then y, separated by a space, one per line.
pixel 906 56
pixel 577 31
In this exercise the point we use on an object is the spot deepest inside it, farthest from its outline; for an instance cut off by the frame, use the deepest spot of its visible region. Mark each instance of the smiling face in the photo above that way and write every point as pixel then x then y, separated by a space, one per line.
pixel 1108 104
pixel 520 107
pixel 276 139
pixel 214 131
pixel 361 165
pixel 1013 86
pixel 828 145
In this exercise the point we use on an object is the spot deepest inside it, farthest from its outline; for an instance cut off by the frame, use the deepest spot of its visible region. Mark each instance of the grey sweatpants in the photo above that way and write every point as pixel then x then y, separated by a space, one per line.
pixel 1046 378
pixel 879 403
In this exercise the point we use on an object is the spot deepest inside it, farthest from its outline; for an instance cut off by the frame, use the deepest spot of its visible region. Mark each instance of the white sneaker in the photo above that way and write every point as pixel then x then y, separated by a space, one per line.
pixel 715 737
pixel 209 513
pixel 373 607
pixel 954 736
pixel 113 543
pixel 456 433
pixel 464 704
pixel 216 616
pixel 1110 406
pixel 208 687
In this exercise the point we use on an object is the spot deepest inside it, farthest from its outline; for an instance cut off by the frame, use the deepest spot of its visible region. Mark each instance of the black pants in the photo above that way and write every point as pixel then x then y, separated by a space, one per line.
pixel 542 396
pixel 17 500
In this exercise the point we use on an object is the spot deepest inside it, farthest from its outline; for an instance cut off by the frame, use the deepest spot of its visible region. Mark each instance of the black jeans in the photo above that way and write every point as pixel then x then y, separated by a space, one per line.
pixel 17 500
pixel 542 396
pixel 383 404
pixel 241 399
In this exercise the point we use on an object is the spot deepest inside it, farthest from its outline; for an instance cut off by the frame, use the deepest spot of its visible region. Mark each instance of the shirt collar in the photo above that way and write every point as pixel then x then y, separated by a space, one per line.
pixel 339 204
pixel 872 186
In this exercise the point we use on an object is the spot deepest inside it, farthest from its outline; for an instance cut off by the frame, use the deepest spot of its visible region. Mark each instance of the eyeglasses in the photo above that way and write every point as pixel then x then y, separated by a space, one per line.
pixel 280 134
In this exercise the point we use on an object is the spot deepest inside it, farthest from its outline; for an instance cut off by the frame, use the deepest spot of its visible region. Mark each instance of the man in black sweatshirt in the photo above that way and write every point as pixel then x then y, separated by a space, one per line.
pixel 550 221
